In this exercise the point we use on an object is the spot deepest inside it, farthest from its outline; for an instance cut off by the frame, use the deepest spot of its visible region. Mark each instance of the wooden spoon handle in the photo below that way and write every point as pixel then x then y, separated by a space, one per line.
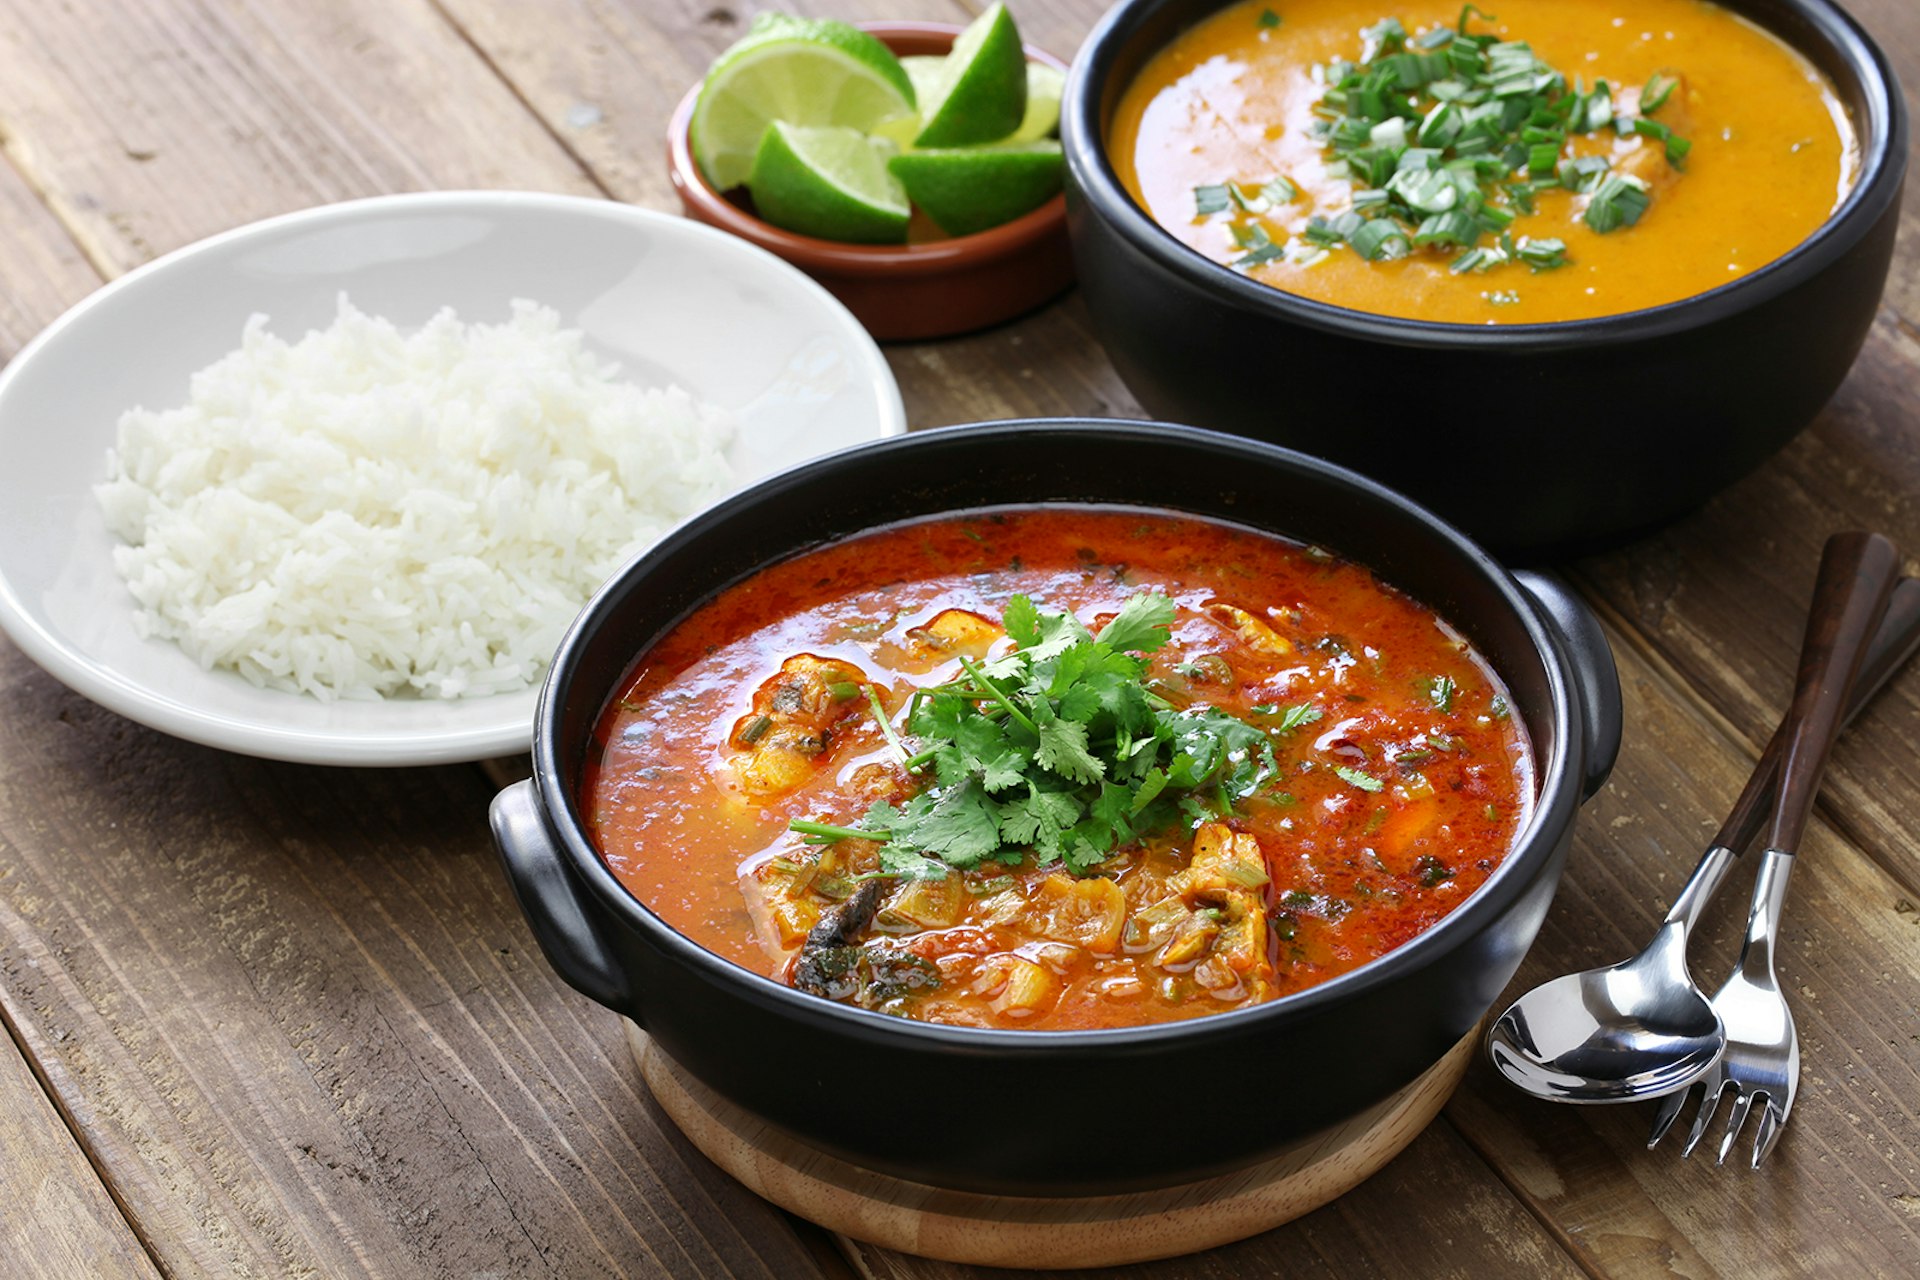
pixel 1856 575
pixel 1895 642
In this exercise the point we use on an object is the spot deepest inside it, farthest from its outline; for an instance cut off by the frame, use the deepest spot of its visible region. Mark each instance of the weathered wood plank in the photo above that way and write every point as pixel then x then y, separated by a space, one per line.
pixel 1722 595
pixel 58 1219
pixel 296 1013
pixel 148 126
pixel 1850 962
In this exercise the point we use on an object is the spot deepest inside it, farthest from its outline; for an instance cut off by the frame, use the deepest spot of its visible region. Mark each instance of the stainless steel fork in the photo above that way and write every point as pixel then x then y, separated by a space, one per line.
pixel 1762 1058
pixel 1761 1064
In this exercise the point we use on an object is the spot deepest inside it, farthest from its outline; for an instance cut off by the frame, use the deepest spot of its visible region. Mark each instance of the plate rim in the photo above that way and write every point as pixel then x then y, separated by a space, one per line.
pixel 109 688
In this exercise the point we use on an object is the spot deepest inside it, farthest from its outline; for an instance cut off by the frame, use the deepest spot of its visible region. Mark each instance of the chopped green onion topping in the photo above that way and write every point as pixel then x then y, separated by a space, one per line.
pixel 1543 254
pixel 1658 90
pixel 1617 202
pixel 1268 20
pixel 1450 135
pixel 1211 199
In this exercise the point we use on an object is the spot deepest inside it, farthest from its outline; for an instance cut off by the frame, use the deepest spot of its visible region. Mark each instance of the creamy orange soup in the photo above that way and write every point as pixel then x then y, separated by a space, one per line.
pixel 1233 100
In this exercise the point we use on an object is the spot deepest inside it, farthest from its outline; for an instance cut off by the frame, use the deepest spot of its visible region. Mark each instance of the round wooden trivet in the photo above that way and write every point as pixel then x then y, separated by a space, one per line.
pixel 1043 1232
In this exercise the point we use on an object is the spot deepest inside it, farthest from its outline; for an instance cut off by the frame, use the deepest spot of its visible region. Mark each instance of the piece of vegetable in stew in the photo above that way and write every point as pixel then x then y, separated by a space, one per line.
pixel 1059 767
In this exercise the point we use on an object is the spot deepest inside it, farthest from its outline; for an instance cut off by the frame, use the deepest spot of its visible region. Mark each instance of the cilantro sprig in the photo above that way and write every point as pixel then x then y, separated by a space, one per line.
pixel 1058 751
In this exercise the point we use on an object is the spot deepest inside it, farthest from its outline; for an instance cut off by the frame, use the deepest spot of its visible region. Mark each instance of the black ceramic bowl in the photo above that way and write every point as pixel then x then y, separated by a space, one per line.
pixel 1057 1112
pixel 1594 430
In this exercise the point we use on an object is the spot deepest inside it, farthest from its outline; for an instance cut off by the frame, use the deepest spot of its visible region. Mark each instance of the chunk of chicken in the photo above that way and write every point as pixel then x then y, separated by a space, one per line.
pixel 956 631
pixel 1224 863
pixel 1087 913
pixel 789 731
pixel 1016 987
pixel 1223 883
pixel 1253 632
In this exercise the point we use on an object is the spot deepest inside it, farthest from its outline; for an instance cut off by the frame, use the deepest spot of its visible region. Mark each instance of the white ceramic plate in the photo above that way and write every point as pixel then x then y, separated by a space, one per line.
pixel 672 301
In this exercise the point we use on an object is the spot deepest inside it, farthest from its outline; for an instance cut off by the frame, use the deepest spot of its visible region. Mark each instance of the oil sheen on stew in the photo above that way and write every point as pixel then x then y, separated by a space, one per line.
pixel 1396 782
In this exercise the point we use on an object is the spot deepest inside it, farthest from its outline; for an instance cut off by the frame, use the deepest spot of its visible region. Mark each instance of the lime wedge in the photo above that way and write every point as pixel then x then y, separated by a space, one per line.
pixel 1044 85
pixel 981 95
pixel 828 181
pixel 923 70
pixel 799 71
pixel 969 189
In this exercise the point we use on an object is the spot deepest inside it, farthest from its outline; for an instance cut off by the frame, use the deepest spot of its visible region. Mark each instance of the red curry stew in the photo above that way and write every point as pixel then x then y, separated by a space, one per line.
pixel 1396 780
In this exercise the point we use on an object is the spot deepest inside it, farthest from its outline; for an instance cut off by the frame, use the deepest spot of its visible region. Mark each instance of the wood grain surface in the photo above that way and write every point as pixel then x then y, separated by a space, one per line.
pixel 273 1020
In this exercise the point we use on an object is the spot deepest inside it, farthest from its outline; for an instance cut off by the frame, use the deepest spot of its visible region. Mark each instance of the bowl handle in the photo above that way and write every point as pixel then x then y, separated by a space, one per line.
pixel 561 919
pixel 1596 681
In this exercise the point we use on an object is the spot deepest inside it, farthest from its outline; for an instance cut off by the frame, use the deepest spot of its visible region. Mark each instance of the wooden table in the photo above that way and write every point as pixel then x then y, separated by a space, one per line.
pixel 264 1019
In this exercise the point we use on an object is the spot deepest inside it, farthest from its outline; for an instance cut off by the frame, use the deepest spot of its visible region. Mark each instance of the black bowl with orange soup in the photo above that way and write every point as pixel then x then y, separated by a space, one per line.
pixel 1546 411
pixel 1310 921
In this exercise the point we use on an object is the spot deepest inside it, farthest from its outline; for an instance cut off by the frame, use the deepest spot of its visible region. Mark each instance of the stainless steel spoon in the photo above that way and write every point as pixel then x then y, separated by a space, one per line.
pixel 1642 1028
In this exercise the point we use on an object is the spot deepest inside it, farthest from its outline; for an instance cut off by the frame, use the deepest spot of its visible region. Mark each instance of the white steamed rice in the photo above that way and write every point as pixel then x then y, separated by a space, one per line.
pixel 365 513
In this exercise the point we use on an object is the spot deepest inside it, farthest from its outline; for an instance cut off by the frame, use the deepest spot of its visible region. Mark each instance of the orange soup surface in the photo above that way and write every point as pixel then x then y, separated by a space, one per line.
pixel 1769 154
pixel 1399 781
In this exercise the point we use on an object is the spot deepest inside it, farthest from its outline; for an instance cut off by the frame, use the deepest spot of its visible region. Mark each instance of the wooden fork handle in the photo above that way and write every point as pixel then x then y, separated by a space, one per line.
pixel 1856 575
pixel 1894 643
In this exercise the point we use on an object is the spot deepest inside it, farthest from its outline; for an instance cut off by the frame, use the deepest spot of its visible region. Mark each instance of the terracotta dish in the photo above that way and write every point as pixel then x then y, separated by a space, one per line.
pixel 913 291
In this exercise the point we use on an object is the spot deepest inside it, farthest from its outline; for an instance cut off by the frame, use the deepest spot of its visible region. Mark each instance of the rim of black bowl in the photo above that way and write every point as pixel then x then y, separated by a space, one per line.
pixel 1883 159
pixel 1557 797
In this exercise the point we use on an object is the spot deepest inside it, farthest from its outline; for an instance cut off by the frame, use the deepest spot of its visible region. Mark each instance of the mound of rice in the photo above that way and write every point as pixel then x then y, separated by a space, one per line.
pixel 365 513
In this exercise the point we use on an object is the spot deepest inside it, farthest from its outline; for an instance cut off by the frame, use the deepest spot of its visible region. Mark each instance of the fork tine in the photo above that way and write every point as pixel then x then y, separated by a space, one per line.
pixel 1772 1125
pixel 1709 1103
pixel 1735 1119
pixel 1670 1108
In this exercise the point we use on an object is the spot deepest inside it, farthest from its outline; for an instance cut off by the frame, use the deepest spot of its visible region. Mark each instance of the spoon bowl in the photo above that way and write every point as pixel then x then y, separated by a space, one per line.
pixel 1638 1029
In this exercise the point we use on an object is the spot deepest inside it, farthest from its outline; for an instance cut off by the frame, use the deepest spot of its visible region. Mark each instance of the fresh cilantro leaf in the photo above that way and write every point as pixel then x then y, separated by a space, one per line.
pixel 960 826
pixel 1022 621
pixel 1150 788
pixel 1143 624
pixel 1063 749
pixel 1293 717
pixel 909 865
pixel 1364 781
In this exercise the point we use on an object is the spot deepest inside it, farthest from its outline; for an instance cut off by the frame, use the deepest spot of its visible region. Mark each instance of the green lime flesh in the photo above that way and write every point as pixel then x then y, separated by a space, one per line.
pixel 796 71
pixel 828 181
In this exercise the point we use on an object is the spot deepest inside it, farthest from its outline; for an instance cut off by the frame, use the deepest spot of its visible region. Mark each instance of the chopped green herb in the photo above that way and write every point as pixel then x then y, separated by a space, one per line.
pixel 1617 202
pixel 1431 871
pixel 1499 707
pixel 1279 190
pixel 1213 198
pixel 1440 691
pixel 842 690
pixel 1268 20
pixel 1260 247
pixel 1058 748
pixel 1295 716
pixel 1543 254
pixel 1448 137
pixel 1364 781
pixel 1659 88
pixel 756 729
